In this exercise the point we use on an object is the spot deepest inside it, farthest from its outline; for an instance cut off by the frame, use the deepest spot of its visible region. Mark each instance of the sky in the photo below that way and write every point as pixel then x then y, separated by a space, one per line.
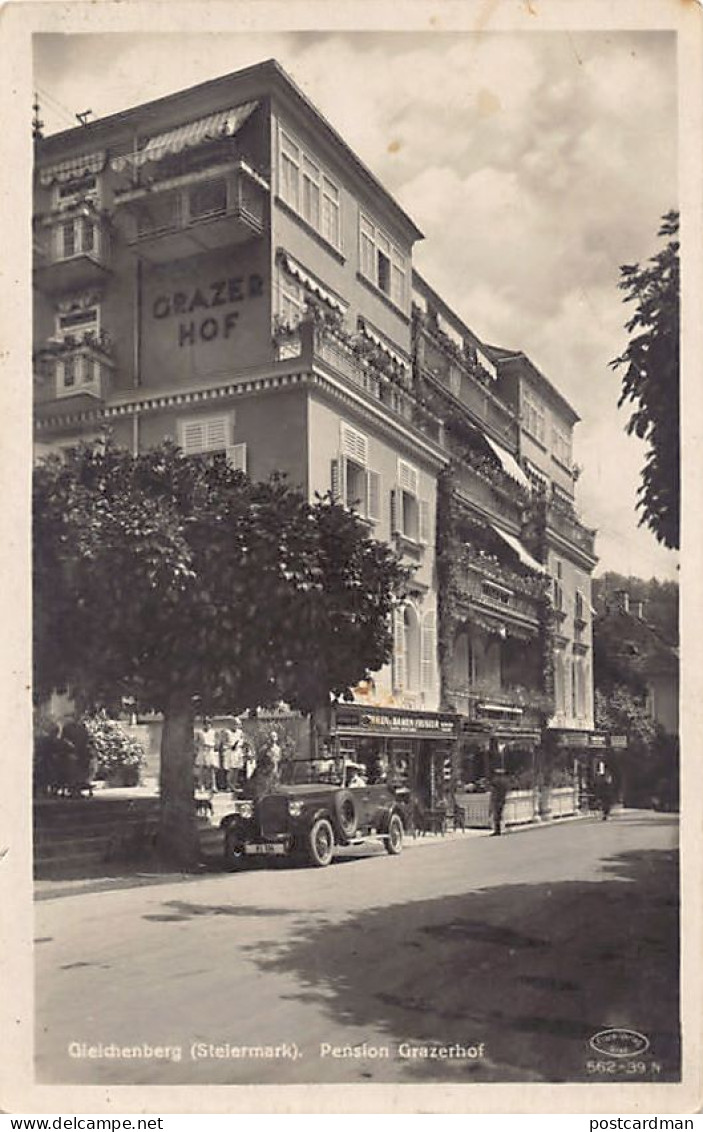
pixel 534 163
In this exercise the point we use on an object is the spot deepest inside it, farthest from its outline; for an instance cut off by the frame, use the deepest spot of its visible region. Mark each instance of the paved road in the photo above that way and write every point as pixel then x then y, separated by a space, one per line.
pixel 516 950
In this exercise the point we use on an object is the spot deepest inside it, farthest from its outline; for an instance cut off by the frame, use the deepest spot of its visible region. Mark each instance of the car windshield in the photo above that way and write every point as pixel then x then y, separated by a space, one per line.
pixel 330 772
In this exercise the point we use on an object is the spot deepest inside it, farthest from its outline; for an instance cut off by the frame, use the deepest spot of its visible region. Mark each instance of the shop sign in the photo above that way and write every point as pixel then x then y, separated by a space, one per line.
pixel 595 740
pixel 618 741
pixel 572 739
pixel 395 721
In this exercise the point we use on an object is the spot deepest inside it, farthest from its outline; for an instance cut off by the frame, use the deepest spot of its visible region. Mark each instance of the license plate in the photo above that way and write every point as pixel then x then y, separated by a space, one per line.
pixel 264 850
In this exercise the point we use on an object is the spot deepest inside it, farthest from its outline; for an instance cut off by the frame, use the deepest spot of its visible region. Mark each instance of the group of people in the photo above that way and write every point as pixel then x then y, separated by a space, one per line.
pixel 225 760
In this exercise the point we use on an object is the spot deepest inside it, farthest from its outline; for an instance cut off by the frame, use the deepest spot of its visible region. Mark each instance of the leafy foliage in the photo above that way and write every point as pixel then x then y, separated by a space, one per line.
pixel 651 380
pixel 161 574
pixel 112 747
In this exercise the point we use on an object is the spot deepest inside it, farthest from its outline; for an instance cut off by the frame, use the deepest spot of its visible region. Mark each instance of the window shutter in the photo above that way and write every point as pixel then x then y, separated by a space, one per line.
pixel 396 512
pixel 408 477
pixel 373 495
pixel 428 651
pixel 425 529
pixel 193 437
pixel 338 480
pixel 237 456
pixel 354 444
pixel 399 659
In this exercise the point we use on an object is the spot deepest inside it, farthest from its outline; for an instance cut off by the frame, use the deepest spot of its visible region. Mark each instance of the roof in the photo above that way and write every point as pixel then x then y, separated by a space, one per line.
pixel 499 354
pixel 150 117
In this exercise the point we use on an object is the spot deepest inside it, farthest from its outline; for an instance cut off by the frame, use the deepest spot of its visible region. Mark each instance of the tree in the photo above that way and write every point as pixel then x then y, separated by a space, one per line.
pixel 651 380
pixel 179 581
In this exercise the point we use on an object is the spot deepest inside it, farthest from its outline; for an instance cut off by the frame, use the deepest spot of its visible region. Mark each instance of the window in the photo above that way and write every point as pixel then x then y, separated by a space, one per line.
pixel 561 445
pixel 533 417
pixel 290 172
pixel 291 298
pixel 308 190
pixel 382 263
pixel 73 192
pixel 410 514
pixel 557 587
pixel 76 237
pixel 406 649
pixel 212 436
pixel 209 198
pixel 78 324
pixel 353 483
pixel 428 658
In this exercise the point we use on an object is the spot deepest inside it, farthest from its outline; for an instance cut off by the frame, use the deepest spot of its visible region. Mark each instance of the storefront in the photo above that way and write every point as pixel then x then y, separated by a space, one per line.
pixel 412 749
pixel 594 754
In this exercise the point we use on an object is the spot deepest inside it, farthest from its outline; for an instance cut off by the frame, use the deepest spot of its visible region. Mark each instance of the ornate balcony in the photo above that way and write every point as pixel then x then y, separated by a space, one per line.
pixel 376 375
pixel 492 705
pixel 563 520
pixel 71 249
pixel 178 216
pixel 442 364
pixel 76 368
pixel 499 597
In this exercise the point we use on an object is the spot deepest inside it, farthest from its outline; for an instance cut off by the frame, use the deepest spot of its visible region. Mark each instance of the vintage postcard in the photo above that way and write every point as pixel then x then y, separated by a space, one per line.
pixel 351 360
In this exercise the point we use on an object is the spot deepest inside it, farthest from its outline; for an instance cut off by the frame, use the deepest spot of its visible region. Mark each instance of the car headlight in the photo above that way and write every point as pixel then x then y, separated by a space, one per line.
pixel 295 809
pixel 244 809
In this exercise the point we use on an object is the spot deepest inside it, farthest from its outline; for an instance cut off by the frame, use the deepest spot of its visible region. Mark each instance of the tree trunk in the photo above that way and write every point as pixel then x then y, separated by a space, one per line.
pixel 178 838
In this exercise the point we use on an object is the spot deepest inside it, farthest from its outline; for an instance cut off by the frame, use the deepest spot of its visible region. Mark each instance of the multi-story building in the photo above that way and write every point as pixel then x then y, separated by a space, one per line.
pixel 220 268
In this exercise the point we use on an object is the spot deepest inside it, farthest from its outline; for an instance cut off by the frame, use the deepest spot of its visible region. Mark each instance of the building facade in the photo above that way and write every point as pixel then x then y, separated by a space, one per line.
pixel 220 268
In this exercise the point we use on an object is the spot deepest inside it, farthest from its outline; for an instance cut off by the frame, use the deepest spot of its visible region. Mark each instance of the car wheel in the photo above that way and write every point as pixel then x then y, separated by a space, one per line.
pixel 234 851
pixel 347 816
pixel 394 837
pixel 321 843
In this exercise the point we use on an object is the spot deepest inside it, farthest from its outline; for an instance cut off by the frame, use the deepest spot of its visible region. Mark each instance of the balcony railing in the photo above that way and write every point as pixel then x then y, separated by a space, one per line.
pixel 492 703
pixel 569 527
pixel 499 592
pixel 172 218
pixel 318 343
pixel 457 373
pixel 491 490
pixel 72 249
pixel 79 367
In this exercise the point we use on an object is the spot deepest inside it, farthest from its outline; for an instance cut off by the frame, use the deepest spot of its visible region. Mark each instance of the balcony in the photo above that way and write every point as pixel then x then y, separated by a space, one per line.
pixel 494 705
pixel 177 217
pixel 458 373
pixel 502 595
pixel 563 520
pixel 76 368
pixel 71 250
pixel 376 375
pixel 490 488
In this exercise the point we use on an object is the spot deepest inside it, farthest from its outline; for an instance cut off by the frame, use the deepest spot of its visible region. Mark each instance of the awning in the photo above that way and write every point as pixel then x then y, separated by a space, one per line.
pixel 487 364
pixel 383 344
pixel 73 168
pixel 536 474
pixel 452 334
pixel 523 554
pixel 311 283
pixel 224 124
pixel 509 463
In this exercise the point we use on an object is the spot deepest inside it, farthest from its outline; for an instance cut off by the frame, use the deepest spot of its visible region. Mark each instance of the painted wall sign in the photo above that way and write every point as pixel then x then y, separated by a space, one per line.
pixel 220 293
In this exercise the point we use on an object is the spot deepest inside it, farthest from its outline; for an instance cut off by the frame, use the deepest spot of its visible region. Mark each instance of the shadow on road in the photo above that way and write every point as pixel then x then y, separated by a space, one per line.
pixel 533 971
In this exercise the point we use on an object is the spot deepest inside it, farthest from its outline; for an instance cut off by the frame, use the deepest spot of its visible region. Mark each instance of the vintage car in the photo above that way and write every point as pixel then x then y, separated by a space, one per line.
pixel 308 820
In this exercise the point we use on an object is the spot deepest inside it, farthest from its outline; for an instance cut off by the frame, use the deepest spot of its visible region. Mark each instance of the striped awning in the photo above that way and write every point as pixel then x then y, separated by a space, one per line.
pixel 223 124
pixel 522 553
pixel 73 168
pixel 509 463
pixel 383 344
pixel 311 283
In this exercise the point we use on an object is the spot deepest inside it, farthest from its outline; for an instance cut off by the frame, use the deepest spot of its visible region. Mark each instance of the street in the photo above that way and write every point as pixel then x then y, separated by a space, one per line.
pixel 515 950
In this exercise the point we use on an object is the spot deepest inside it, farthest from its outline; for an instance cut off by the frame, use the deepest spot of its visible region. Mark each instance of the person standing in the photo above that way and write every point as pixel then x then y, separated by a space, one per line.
pixel 238 754
pixel 499 791
pixel 274 750
pixel 223 743
pixel 206 757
